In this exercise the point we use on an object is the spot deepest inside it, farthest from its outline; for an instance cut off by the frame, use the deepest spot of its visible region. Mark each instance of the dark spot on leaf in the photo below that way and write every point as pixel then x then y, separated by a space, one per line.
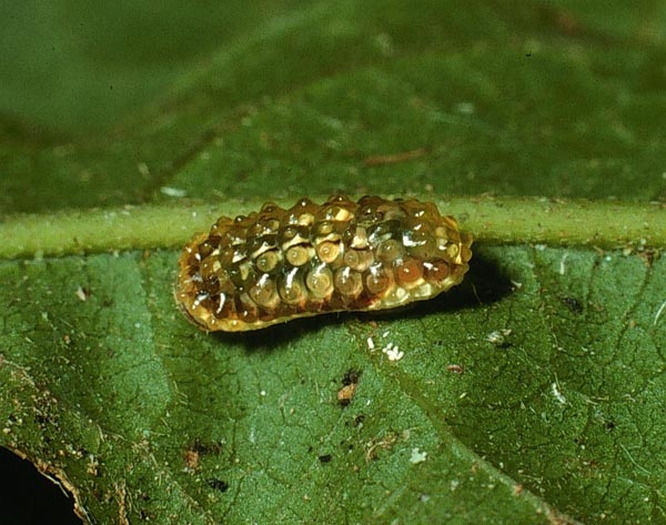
pixel 349 382
pixel 358 420
pixel 217 484
pixel 351 377
pixel 325 458
pixel 572 304
pixel 204 448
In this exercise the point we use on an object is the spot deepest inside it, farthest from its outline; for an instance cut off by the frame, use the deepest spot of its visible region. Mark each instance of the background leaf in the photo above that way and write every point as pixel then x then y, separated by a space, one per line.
pixel 105 387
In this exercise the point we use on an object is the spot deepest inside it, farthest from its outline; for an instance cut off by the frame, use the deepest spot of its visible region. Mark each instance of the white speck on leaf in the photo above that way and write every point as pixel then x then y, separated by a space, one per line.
pixel 393 352
pixel 81 293
pixel 498 337
pixel 659 312
pixel 555 388
pixel 143 169
pixel 465 108
pixel 563 260
pixel 173 192
pixel 417 456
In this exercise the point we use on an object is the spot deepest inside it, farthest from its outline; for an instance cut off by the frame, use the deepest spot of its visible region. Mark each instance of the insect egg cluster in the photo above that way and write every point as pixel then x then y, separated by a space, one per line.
pixel 278 264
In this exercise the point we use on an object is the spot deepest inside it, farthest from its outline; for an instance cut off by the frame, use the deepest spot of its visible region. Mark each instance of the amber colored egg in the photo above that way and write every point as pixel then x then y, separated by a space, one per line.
pixel 279 264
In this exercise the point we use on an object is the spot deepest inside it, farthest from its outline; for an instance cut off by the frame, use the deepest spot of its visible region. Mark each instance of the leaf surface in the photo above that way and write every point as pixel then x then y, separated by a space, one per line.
pixel 530 394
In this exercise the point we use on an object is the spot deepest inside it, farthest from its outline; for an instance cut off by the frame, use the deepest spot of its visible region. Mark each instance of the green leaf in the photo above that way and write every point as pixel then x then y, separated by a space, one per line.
pixel 532 393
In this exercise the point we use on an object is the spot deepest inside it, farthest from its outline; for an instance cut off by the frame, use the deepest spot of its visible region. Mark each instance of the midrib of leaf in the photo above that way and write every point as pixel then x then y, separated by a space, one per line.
pixel 600 224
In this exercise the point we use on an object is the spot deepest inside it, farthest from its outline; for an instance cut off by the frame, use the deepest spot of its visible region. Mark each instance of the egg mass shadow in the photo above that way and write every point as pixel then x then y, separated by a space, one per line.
pixel 278 335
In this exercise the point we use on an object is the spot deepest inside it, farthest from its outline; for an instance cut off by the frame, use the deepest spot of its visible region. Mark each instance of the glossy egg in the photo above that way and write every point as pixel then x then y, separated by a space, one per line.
pixel 279 264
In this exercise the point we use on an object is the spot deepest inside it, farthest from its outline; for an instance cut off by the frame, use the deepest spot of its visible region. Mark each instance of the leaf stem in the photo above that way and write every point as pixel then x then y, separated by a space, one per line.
pixel 491 220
